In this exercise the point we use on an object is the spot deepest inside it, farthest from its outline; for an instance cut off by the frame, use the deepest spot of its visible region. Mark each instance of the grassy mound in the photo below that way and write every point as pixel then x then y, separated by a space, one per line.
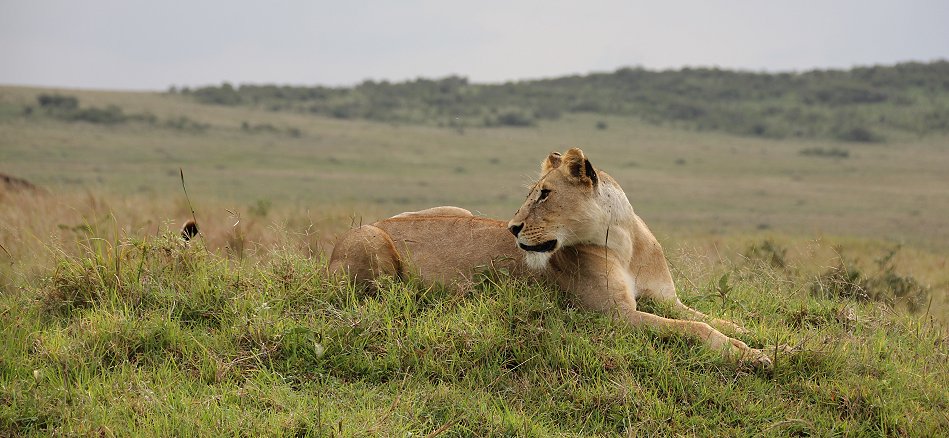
pixel 152 336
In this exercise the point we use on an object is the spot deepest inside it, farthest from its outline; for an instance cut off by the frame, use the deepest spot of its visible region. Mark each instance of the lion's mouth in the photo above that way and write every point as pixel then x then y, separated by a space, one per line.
pixel 547 246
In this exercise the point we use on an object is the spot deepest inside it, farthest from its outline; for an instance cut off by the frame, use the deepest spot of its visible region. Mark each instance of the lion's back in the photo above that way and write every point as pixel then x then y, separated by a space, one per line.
pixel 448 248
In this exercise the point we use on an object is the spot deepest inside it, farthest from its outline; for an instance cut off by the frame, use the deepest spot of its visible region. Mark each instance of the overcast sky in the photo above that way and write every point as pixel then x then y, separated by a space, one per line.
pixel 152 44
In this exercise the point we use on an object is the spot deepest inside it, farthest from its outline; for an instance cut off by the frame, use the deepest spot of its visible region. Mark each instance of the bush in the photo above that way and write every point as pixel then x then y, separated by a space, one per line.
pixel 270 129
pixel 223 95
pixel 841 281
pixel 769 253
pixel 344 111
pixel 261 208
pixel 110 115
pixel 67 108
pixel 183 123
pixel 846 280
pixel 843 94
pixel 145 117
pixel 858 134
pixel 57 102
pixel 683 111
pixel 826 153
pixel 548 112
pixel 262 127
pixel 513 118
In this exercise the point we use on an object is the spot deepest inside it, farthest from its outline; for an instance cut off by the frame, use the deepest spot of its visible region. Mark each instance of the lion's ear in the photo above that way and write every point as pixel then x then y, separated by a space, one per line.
pixel 580 167
pixel 550 163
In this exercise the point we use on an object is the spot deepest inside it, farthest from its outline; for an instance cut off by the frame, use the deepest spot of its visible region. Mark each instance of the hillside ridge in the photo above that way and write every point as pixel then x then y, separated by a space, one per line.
pixel 862 104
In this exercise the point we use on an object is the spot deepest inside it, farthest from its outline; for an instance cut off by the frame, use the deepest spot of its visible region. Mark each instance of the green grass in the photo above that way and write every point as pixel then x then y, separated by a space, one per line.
pixel 154 337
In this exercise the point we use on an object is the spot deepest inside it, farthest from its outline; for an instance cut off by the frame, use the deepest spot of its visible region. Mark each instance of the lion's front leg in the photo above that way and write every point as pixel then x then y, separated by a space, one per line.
pixel 654 281
pixel 603 285
pixel 716 340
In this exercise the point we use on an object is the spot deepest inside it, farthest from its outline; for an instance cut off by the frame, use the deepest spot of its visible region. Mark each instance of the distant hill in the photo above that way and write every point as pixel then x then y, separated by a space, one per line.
pixel 862 104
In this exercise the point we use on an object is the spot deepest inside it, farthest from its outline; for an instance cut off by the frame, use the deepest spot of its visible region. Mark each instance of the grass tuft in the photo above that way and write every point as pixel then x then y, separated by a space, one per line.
pixel 846 280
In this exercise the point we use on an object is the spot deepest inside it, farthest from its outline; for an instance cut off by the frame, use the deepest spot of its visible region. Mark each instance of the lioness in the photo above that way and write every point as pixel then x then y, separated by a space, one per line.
pixel 576 229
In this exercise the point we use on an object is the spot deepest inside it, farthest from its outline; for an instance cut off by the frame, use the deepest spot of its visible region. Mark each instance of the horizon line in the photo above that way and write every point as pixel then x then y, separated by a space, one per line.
pixel 450 75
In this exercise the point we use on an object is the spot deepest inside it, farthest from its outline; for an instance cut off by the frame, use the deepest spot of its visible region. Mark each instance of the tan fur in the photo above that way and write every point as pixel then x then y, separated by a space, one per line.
pixel 603 252
pixel 445 210
pixel 445 245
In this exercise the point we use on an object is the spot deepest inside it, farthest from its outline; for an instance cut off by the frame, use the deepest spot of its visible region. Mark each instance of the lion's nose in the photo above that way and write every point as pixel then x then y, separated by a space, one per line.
pixel 516 229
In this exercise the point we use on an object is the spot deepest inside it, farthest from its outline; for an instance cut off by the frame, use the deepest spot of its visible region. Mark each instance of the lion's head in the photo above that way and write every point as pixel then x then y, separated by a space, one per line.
pixel 567 206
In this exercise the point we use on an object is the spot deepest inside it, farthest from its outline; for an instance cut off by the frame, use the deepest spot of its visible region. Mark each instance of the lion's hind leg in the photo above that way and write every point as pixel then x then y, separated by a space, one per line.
pixel 364 254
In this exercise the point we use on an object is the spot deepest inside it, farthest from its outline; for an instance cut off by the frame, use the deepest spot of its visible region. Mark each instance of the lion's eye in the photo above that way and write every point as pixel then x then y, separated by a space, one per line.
pixel 543 195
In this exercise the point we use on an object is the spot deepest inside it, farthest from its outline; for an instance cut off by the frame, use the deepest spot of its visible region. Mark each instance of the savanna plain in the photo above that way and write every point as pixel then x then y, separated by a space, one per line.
pixel 831 243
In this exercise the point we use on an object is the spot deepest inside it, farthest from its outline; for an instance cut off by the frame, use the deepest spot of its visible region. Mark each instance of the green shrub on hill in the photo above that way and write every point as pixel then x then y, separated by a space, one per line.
pixel 850 105
pixel 110 115
pixel 826 152
pixel 67 108
pixel 223 95
pixel 57 102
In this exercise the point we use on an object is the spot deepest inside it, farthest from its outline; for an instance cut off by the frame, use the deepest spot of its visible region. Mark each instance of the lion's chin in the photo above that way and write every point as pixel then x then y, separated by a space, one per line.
pixel 537 260
pixel 547 246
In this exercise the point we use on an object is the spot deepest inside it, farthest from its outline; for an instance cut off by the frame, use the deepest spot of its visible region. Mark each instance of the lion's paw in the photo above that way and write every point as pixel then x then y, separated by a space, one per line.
pixel 757 359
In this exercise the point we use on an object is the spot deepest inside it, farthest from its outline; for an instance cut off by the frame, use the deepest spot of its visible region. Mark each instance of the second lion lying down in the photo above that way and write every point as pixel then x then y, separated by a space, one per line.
pixel 576 229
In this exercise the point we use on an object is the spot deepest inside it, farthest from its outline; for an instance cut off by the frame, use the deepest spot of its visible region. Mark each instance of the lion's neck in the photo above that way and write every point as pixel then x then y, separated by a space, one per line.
pixel 611 221
pixel 620 221
pixel 616 205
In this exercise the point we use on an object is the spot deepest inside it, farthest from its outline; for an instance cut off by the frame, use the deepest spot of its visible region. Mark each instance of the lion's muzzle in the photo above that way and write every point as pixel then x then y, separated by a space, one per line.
pixel 547 246
pixel 515 229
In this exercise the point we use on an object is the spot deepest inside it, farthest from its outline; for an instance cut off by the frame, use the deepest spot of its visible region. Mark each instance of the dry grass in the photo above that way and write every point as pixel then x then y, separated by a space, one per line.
pixel 37 228
pixel 677 180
